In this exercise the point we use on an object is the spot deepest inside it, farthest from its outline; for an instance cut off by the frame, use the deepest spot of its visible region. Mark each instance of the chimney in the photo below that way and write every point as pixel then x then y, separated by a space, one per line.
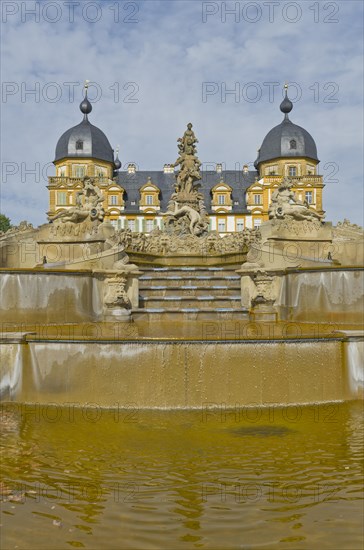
pixel 131 168
pixel 168 169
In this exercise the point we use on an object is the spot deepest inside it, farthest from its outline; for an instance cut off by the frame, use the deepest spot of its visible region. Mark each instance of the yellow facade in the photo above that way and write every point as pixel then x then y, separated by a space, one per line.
pixel 308 186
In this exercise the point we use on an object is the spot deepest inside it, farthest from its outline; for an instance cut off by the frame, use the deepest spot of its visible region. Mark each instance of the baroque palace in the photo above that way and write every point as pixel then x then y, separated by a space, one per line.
pixel 136 200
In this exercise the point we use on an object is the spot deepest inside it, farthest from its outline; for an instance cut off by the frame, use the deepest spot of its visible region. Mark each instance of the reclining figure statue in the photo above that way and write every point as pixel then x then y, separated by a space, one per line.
pixel 284 203
pixel 88 205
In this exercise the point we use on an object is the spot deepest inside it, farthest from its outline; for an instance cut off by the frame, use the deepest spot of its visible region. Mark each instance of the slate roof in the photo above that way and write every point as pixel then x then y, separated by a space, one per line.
pixel 277 143
pixel 236 179
pixel 95 143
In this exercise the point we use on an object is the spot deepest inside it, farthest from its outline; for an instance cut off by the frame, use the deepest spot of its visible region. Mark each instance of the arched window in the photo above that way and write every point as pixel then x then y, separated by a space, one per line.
pixel 293 144
pixel 79 145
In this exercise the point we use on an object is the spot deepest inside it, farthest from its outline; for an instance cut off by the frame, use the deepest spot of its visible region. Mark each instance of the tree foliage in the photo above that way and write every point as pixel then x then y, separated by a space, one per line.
pixel 5 223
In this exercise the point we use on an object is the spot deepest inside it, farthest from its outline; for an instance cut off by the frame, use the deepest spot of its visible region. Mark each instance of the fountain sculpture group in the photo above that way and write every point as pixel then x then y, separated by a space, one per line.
pixel 78 269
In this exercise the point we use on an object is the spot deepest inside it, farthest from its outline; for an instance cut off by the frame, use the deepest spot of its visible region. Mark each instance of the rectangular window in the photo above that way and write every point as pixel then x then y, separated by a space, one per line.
pixel 62 171
pixel 292 171
pixel 240 225
pixel 271 170
pixel 257 222
pixel 221 226
pixel 221 199
pixel 79 171
pixel 149 225
pixel 149 199
pixel 100 172
pixel 308 196
pixel 114 223
pixel 257 199
pixel 310 170
pixel 113 199
pixel 62 198
pixel 131 225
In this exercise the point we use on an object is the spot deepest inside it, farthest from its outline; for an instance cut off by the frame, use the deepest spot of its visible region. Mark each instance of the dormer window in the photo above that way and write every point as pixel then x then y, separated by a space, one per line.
pixel 79 145
pixel 293 144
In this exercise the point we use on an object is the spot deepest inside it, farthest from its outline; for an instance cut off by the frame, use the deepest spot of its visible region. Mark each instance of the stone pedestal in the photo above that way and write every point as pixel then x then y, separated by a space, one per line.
pixel 117 314
pixel 293 243
pixel 263 311
pixel 67 242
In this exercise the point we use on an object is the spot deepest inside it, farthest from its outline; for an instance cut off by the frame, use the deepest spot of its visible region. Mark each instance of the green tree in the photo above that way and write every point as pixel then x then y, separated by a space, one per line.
pixel 4 223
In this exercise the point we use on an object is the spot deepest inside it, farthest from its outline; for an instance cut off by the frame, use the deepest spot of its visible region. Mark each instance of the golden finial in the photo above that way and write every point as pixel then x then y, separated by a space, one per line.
pixel 86 84
pixel 286 85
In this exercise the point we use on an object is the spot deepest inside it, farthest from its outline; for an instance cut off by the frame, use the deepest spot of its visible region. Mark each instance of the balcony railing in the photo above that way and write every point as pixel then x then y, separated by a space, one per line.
pixel 65 180
pixel 296 179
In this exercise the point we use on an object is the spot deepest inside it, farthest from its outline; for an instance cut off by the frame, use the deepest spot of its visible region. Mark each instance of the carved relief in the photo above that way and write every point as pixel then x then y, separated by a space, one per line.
pixel 23 226
pixel 347 231
pixel 164 243
pixel 264 289
pixel 260 288
pixel 115 292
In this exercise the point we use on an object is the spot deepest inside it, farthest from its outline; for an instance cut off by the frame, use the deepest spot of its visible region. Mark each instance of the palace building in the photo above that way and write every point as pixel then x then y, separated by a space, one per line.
pixel 234 199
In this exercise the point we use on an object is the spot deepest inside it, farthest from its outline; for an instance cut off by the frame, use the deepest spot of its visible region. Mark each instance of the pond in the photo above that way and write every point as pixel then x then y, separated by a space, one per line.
pixel 217 478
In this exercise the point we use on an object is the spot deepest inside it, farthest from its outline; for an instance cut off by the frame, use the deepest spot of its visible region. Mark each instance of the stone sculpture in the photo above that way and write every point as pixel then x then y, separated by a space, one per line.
pixel 23 226
pixel 115 292
pixel 186 213
pixel 162 242
pixel 284 204
pixel 88 205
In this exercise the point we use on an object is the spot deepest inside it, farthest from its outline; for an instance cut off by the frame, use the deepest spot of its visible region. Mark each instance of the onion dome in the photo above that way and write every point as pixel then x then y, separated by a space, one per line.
pixel 117 162
pixel 287 139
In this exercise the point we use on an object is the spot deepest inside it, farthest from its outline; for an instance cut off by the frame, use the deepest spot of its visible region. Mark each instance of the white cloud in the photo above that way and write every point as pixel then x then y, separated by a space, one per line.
pixel 169 53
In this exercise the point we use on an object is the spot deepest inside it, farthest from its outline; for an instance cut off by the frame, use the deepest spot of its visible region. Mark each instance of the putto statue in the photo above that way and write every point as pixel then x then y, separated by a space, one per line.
pixel 186 214
pixel 284 204
pixel 88 205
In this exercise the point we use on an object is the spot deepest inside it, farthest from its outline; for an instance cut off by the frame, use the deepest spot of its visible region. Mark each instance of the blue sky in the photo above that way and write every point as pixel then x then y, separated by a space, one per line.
pixel 153 61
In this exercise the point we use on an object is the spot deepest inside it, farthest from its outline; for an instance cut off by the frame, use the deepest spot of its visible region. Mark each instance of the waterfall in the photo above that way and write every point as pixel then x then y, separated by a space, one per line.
pixel 355 363
pixel 10 370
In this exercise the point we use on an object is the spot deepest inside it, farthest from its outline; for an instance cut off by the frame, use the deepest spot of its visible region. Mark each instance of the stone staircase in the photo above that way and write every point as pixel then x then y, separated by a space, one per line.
pixel 194 292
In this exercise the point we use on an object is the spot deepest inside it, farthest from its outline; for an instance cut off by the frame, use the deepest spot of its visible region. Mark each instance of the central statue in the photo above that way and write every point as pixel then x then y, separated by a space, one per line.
pixel 186 212
pixel 190 165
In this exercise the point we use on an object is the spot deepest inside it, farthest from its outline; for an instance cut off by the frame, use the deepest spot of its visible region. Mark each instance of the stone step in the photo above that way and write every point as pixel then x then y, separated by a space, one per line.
pixel 186 268
pixel 185 313
pixel 183 302
pixel 184 280
pixel 189 290
pixel 181 273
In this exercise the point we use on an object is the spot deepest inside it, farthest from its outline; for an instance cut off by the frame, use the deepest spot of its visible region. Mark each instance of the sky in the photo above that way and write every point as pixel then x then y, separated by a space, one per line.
pixel 154 66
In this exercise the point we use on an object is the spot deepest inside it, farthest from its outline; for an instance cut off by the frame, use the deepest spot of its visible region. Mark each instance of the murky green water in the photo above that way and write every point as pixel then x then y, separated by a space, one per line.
pixel 277 478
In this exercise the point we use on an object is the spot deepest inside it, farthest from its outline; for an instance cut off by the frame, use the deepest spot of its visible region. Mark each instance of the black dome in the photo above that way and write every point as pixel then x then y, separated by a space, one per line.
pixel 287 140
pixel 277 143
pixel 94 143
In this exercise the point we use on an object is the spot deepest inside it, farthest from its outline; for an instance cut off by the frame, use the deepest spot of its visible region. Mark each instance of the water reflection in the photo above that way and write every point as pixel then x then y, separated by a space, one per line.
pixel 283 478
